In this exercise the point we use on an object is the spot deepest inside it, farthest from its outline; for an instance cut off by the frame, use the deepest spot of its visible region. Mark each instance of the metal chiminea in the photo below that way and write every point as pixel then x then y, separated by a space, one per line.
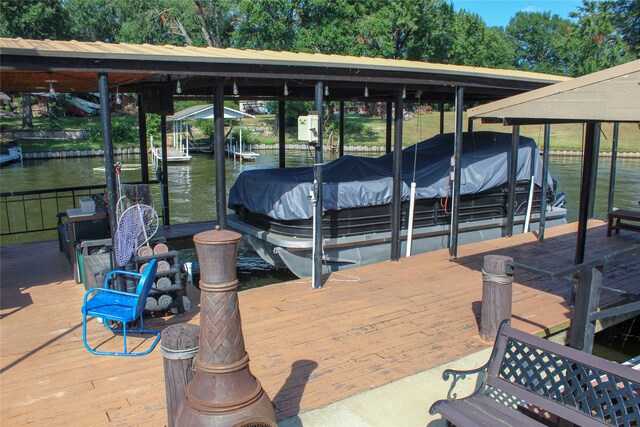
pixel 223 391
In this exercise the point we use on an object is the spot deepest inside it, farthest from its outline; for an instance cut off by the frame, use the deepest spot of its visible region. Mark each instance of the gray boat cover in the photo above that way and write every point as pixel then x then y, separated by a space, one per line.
pixel 352 181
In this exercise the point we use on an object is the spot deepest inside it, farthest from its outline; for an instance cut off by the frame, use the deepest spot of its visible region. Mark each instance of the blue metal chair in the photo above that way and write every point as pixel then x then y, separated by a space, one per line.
pixel 118 306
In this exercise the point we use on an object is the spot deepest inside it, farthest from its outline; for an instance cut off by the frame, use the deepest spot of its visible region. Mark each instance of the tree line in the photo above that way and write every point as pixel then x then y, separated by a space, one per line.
pixel 600 34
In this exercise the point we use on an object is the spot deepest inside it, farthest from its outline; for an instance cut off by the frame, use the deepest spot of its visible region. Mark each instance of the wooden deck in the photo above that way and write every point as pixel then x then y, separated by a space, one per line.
pixel 368 326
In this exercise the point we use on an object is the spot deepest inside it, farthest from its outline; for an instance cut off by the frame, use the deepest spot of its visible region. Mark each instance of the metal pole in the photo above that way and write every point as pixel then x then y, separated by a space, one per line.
pixel 441 118
pixel 282 128
pixel 166 219
pixel 317 178
pixel 341 130
pixel 221 185
pixel 389 126
pixel 142 132
pixel 470 124
pixel 585 188
pixel 396 196
pixel 614 159
pixel 457 173
pixel 513 175
pixel 594 175
pixel 545 181
pixel 107 141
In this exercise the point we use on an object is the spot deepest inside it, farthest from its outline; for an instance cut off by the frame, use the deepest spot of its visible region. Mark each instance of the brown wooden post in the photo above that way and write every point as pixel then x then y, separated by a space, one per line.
pixel 179 346
pixel 497 280
pixel 223 391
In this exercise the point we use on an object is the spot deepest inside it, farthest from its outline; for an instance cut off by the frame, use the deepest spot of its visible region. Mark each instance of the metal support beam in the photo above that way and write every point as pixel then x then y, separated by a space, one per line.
pixel 221 184
pixel 142 135
pixel 107 142
pixel 282 128
pixel 341 131
pixel 513 171
pixel 594 175
pixel 470 124
pixel 545 181
pixel 389 126
pixel 614 159
pixel 441 107
pixel 457 173
pixel 166 219
pixel 317 184
pixel 587 298
pixel 396 196
pixel 585 188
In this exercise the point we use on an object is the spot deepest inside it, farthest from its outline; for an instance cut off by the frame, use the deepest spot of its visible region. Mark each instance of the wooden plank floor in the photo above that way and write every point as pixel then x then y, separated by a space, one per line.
pixel 368 326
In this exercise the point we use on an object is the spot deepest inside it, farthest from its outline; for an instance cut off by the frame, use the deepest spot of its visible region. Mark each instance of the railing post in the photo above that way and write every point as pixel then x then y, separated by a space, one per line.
pixel 587 300
pixel 497 280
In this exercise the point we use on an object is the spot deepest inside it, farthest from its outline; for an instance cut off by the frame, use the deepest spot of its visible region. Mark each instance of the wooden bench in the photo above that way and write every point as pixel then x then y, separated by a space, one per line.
pixel 530 381
pixel 622 215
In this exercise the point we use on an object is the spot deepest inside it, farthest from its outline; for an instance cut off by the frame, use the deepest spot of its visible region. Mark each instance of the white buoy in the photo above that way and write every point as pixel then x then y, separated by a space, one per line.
pixel 527 218
pixel 412 205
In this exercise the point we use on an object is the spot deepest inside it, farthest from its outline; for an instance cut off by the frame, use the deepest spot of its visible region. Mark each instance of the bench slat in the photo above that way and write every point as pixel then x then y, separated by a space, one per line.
pixel 482 411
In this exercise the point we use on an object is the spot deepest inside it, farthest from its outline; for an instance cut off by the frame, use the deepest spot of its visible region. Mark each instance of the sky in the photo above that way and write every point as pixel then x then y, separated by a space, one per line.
pixel 499 12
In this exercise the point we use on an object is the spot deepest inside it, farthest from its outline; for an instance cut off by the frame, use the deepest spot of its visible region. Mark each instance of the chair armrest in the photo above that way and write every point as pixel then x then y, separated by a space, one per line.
pixel 462 375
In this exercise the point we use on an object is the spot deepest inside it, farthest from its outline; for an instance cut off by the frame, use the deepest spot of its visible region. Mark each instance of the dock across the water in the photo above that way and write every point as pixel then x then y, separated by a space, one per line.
pixel 367 327
pixel 15 154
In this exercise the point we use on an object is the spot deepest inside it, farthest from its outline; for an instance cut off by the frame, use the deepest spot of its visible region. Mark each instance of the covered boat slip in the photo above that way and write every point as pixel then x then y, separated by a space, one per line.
pixel 365 328
pixel 156 73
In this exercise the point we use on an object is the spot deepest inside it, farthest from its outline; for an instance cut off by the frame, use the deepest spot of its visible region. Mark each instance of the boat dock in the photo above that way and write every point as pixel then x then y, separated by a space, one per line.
pixel 367 327
pixel 15 153
pixel 175 154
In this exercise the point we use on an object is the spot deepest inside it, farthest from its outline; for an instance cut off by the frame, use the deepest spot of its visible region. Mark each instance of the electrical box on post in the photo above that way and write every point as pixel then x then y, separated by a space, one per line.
pixel 308 128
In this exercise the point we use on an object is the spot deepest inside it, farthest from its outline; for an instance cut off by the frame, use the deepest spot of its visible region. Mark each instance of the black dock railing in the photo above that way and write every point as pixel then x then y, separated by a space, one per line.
pixel 37 210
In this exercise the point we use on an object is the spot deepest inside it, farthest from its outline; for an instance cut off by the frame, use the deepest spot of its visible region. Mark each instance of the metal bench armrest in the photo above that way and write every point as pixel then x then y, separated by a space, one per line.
pixel 462 375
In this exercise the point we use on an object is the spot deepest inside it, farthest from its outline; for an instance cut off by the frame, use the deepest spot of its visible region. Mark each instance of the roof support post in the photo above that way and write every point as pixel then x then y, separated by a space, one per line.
pixel 457 173
pixel 142 135
pixel 396 196
pixel 513 175
pixel 166 219
pixel 441 107
pixel 470 124
pixel 389 126
pixel 341 130
pixel 588 169
pixel 545 181
pixel 317 189
pixel 614 159
pixel 282 131
pixel 594 175
pixel 107 142
pixel 218 118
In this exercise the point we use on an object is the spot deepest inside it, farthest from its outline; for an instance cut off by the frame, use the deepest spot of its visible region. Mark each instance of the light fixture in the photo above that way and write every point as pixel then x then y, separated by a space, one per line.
pixel 366 91
pixel 286 89
pixel 52 91
pixel 118 99
pixel 179 87
pixel 326 90
pixel 404 92
pixel 235 88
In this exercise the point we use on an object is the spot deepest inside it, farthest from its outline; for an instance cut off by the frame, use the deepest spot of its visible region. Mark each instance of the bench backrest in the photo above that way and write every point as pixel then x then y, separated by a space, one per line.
pixel 571 384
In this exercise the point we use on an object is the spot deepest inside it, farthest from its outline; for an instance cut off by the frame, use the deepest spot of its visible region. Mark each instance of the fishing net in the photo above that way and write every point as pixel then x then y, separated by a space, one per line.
pixel 136 226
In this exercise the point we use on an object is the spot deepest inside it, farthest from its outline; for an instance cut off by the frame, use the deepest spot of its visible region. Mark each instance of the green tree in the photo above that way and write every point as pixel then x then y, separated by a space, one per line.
pixel 267 24
pixel 34 19
pixel 94 20
pixel 540 41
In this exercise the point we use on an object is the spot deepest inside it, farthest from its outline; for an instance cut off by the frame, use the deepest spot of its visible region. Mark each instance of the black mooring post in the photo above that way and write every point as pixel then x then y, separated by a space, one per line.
pixel 457 174
pixel 221 185
pixel 166 219
pixel 612 173
pixel 545 181
pixel 282 128
pixel 513 175
pixel 341 131
pixel 317 178
pixel 594 175
pixel 389 126
pixel 396 196
pixel 585 188
pixel 142 135
pixel 587 299
pixel 441 107
pixel 107 142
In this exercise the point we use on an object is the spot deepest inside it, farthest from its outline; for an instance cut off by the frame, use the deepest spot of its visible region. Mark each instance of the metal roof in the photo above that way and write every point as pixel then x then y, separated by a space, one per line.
pixel 206 112
pixel 611 95
pixel 73 65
